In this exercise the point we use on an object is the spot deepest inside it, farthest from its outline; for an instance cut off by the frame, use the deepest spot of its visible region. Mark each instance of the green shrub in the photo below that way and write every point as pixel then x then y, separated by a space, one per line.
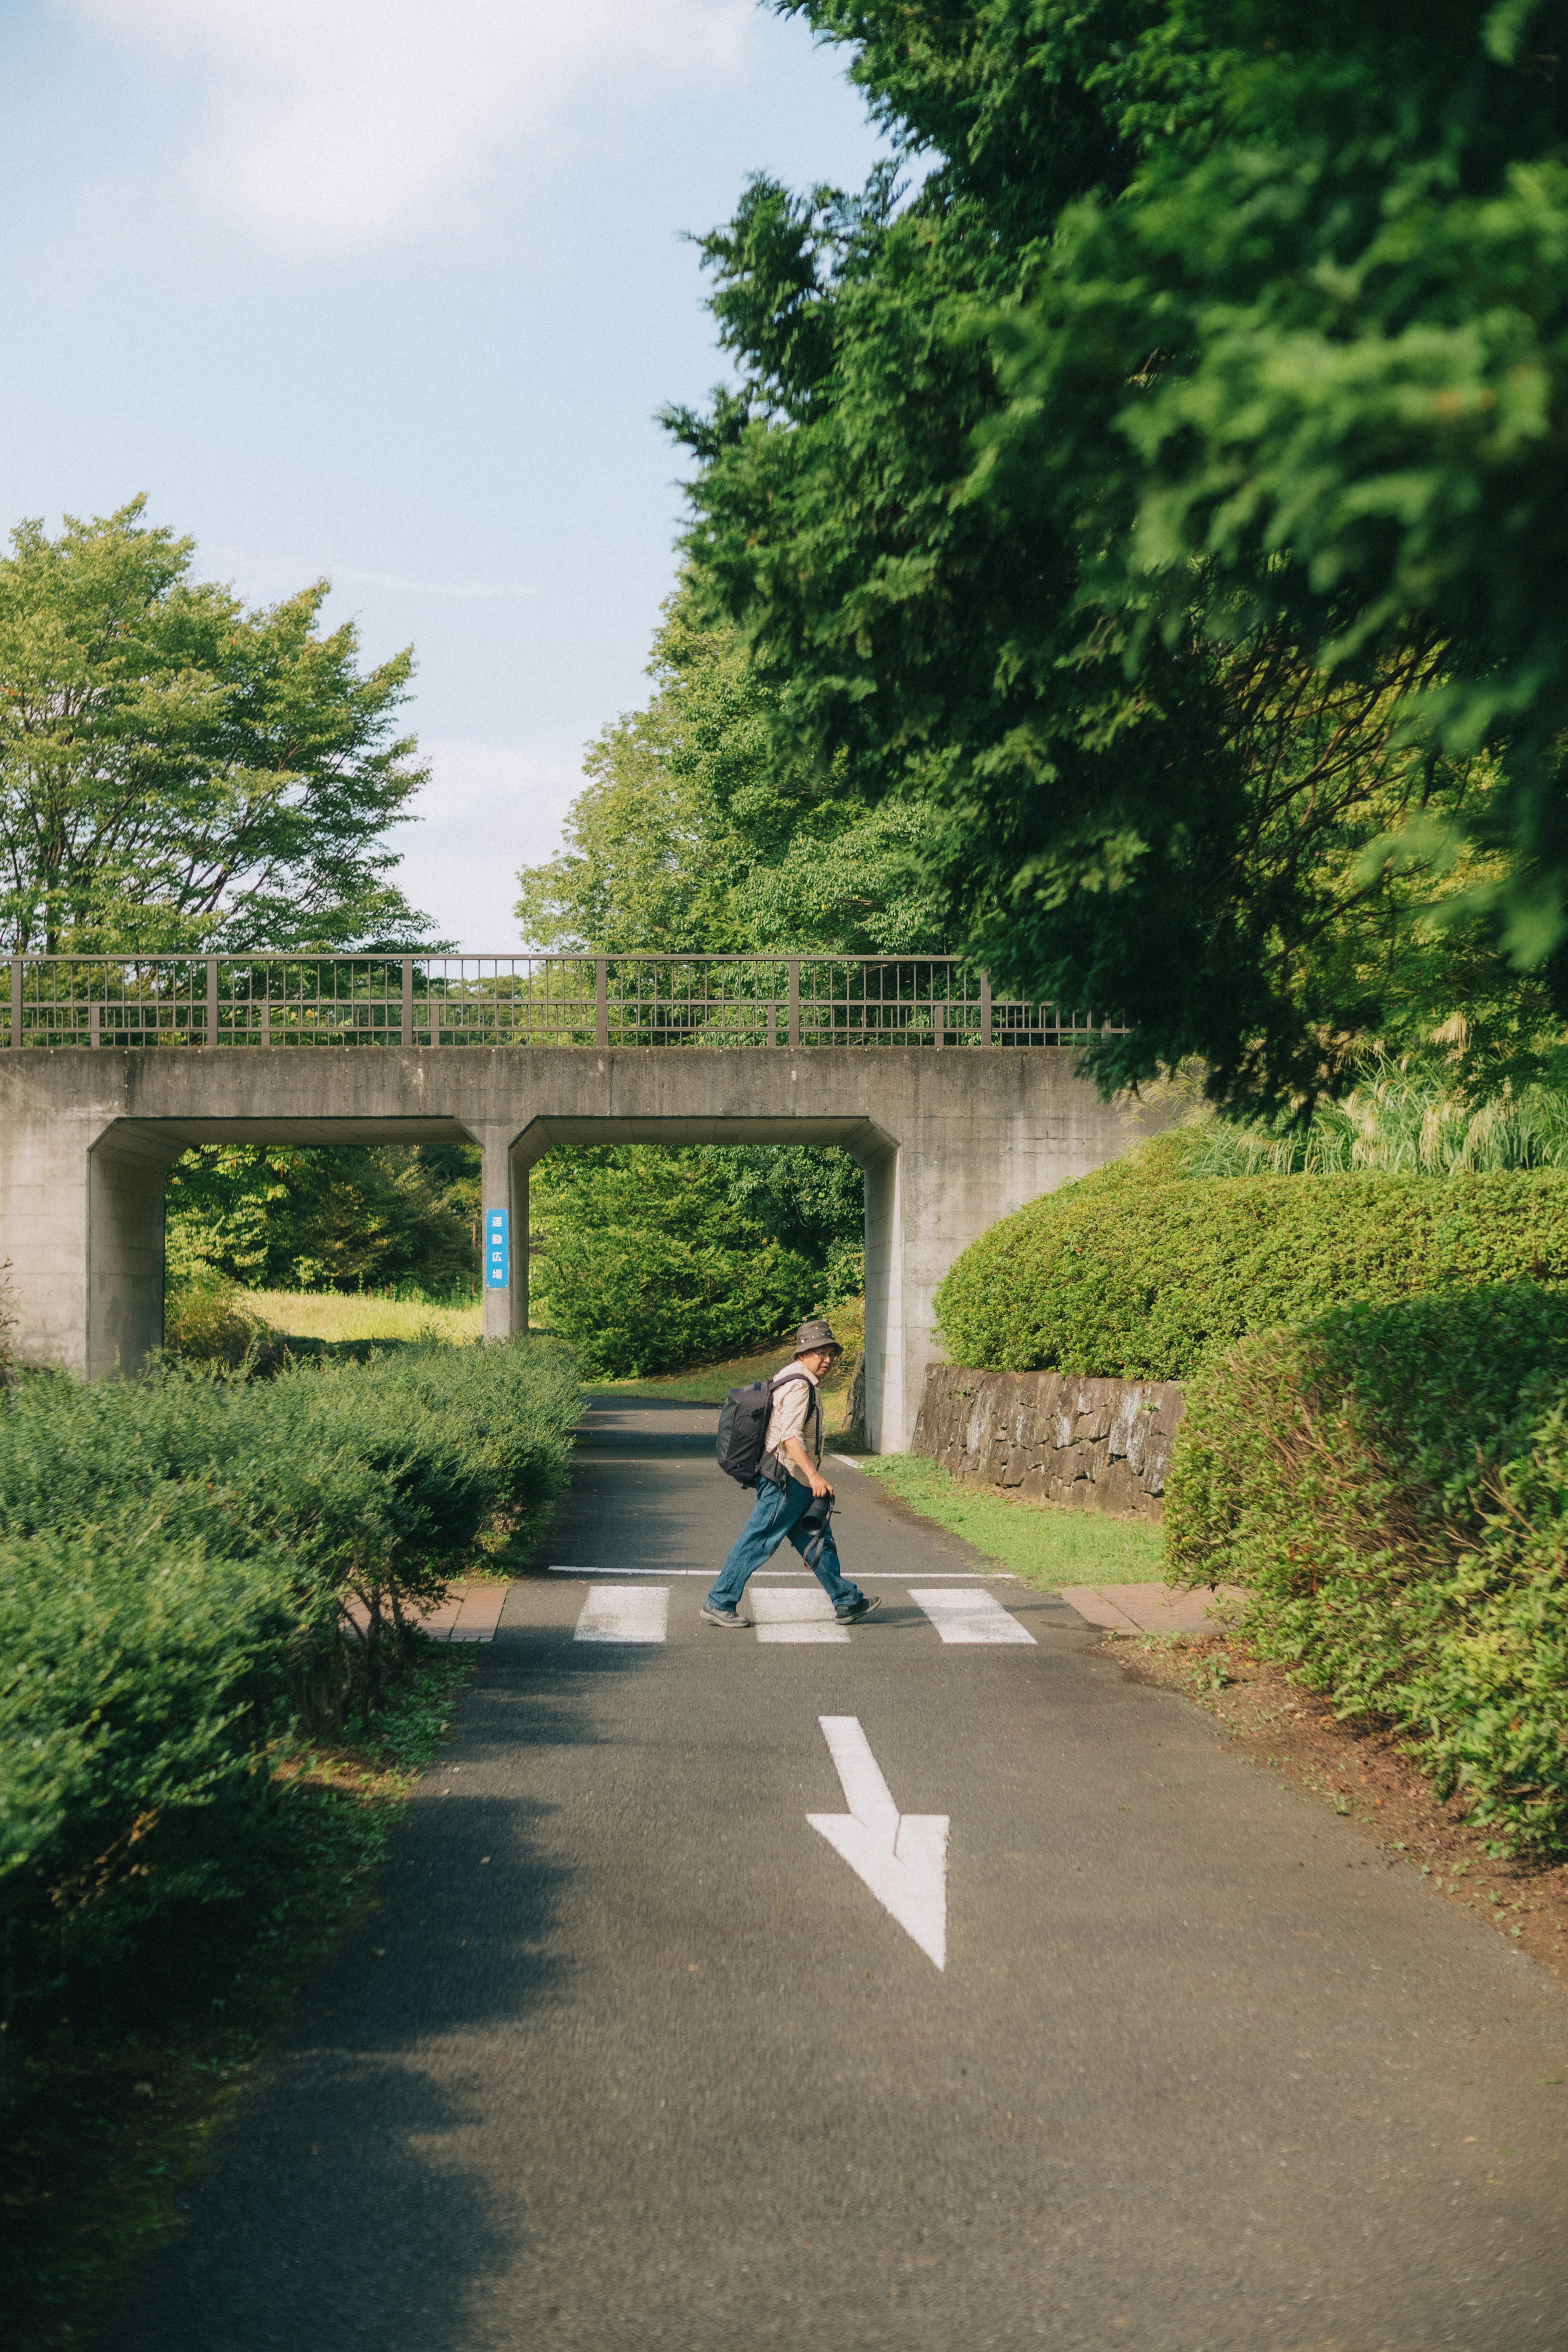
pixel 141 1684
pixel 515 1405
pixel 1390 1486
pixel 1139 1271
pixel 637 1303
pixel 177 1556
pixel 208 1320
pixel 656 1259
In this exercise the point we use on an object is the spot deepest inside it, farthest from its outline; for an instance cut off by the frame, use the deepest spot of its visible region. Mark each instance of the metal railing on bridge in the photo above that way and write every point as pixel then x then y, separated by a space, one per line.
pixel 520 999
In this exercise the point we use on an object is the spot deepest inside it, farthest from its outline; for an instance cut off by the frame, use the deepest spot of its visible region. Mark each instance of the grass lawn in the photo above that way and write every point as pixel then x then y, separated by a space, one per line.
pixel 1045 1543
pixel 328 1315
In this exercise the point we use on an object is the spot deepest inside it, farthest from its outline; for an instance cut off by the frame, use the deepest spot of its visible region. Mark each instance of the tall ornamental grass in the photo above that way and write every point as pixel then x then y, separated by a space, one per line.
pixel 1404 1115
pixel 1390 1487
pixel 177 1562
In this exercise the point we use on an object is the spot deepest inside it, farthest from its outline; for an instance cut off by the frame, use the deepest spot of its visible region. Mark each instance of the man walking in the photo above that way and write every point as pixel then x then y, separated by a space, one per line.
pixel 789 1479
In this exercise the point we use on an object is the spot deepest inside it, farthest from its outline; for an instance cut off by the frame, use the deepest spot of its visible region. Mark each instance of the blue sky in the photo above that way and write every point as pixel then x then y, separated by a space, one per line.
pixel 388 291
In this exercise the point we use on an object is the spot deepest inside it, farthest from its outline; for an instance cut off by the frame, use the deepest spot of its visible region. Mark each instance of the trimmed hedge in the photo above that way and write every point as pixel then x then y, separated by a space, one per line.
pixel 1391 1487
pixel 177 1556
pixel 1139 1272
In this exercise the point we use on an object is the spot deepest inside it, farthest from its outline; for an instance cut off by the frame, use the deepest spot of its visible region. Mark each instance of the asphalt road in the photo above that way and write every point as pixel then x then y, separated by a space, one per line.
pixel 631 2057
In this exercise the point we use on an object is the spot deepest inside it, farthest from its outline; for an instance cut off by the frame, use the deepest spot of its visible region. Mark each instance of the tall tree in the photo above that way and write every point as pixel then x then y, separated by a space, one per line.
pixel 178 772
pixel 1163 499
pixel 703 831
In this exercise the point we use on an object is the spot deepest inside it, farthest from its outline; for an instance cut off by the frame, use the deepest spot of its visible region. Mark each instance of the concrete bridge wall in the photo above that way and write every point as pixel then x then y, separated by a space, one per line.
pixel 949 1142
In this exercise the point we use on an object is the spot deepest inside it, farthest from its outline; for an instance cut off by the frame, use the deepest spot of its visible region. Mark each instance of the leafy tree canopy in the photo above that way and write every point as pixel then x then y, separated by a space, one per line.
pixel 701 831
pixel 177 772
pixel 1163 504
pixel 276 1217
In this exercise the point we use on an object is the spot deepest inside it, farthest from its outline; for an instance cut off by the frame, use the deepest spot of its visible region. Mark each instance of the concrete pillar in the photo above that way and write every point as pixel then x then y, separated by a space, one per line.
pixel 884 1317
pixel 949 1152
pixel 125 1182
pixel 519 1268
pixel 505 1311
pixel 43 1230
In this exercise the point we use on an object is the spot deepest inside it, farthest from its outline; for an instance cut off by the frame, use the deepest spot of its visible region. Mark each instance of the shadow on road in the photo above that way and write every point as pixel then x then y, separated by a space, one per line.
pixel 340 2207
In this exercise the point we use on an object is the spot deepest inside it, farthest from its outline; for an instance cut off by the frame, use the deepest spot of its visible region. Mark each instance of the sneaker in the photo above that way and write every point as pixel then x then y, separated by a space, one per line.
pixel 859 1609
pixel 731 1617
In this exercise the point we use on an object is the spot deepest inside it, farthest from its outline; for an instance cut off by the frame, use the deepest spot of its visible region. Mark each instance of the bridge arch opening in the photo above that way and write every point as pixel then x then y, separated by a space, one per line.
pixel 873 1152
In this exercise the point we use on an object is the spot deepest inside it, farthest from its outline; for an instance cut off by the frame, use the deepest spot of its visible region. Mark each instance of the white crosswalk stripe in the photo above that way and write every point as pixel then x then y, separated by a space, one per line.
pixel 969 1614
pixel 625 1613
pixel 963 1614
pixel 795 1616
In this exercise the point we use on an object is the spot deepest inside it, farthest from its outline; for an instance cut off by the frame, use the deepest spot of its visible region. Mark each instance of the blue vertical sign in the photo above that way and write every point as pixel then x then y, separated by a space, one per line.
pixel 497 1251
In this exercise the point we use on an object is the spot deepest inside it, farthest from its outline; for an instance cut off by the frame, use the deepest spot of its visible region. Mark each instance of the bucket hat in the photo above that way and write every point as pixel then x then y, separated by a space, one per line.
pixel 812 1336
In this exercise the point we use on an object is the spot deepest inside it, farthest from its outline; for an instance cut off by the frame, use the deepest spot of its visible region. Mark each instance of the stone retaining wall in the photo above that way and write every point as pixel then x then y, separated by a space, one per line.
pixel 1102 1445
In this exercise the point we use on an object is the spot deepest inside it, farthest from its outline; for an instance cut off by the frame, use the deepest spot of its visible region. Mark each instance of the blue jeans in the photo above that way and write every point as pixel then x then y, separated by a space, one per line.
pixel 774 1519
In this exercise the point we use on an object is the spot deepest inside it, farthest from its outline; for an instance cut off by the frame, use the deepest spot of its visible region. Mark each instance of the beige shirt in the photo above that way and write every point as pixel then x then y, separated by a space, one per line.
pixel 790 1405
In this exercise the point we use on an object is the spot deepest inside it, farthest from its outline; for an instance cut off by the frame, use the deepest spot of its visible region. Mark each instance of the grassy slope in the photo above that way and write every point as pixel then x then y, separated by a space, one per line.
pixel 1044 1543
pixel 327 1315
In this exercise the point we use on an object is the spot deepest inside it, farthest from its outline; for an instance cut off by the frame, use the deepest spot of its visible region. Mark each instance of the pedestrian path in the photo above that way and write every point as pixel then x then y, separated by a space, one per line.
pixel 621 1613
pixel 963 1613
pixel 795 1614
pixel 969 1615
pixel 907 1985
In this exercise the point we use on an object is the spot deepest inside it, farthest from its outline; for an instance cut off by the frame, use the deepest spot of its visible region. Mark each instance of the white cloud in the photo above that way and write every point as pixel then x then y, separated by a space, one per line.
pixel 345 122
pixel 488 809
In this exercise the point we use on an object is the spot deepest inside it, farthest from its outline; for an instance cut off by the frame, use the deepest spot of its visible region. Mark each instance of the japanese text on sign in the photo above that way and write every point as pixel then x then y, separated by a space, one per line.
pixel 497 1250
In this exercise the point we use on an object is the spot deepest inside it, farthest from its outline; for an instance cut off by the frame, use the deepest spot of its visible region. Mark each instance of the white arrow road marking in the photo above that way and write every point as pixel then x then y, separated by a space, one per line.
pixel 625 1613
pixel 902 1859
pixel 970 1615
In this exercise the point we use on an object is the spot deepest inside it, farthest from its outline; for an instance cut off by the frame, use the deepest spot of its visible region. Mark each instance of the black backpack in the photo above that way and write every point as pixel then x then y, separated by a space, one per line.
pixel 744 1425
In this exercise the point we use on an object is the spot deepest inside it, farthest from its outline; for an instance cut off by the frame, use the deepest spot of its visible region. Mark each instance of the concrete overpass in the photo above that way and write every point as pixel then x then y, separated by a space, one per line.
pixel 114 1069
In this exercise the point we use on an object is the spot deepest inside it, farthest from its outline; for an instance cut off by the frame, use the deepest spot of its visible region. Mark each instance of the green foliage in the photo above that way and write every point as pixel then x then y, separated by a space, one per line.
pixel 652 1259
pixel 362 1217
pixel 143 1680
pixel 1391 1486
pixel 178 772
pixel 701 832
pixel 1402 1116
pixel 1160 504
pixel 177 1558
pixel 1141 1271
pixel 810 1202
pixel 208 1320
pixel 90 2167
